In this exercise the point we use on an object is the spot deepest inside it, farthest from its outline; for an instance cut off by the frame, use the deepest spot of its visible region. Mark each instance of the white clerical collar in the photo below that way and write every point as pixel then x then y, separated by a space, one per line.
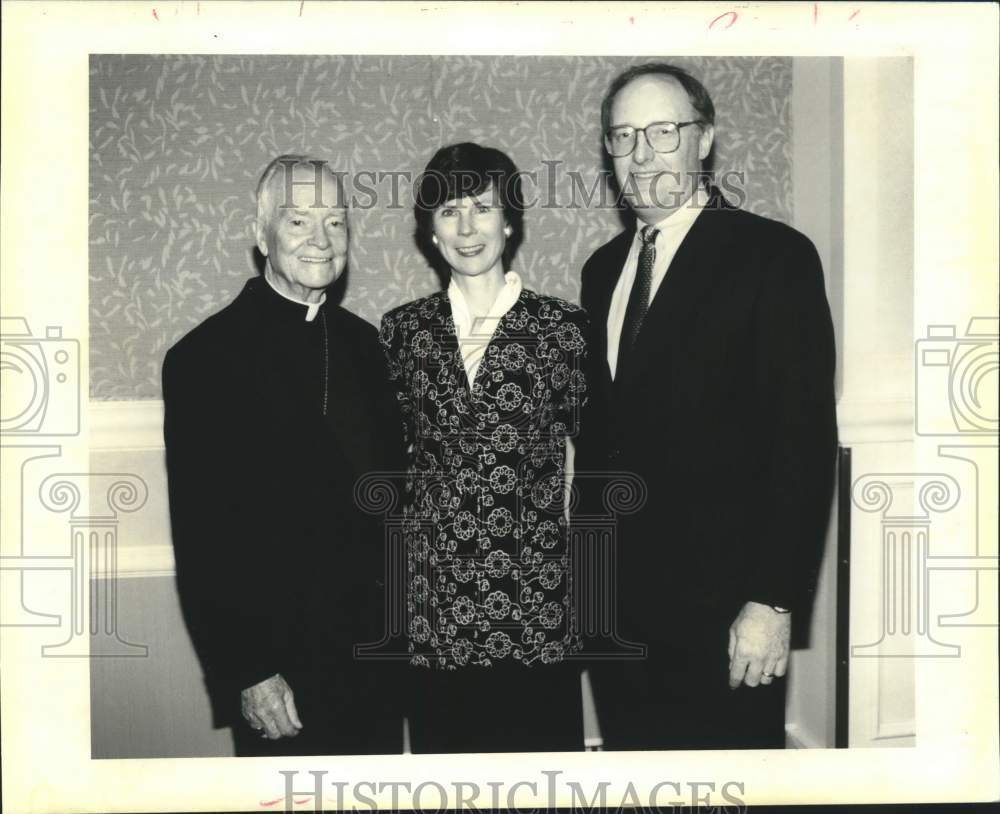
pixel 312 308
pixel 504 301
pixel 686 214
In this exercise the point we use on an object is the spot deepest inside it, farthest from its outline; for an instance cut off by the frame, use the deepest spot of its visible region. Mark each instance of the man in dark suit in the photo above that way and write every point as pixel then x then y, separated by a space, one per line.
pixel 714 385
pixel 275 406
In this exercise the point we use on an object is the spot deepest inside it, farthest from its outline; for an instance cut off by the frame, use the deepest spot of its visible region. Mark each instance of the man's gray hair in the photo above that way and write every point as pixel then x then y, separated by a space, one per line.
pixel 265 206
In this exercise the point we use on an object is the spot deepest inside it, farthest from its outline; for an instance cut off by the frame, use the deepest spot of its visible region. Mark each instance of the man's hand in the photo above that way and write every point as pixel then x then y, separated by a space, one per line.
pixel 270 706
pixel 758 645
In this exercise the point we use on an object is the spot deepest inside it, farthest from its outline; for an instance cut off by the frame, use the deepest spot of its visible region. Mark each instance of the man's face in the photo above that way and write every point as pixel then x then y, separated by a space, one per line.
pixel 305 245
pixel 656 184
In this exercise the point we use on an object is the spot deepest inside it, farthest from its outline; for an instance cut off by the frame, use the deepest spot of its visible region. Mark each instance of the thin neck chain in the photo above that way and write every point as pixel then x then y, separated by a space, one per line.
pixel 326 360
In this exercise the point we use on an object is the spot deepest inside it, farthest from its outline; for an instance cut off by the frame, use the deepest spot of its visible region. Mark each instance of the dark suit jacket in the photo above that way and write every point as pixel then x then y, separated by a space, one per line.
pixel 277 568
pixel 726 411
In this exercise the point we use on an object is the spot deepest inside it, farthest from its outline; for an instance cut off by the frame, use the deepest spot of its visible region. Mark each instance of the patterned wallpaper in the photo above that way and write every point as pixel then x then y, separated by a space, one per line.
pixel 177 144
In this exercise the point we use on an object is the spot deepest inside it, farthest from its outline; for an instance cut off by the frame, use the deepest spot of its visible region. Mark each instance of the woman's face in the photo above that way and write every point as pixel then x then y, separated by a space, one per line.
pixel 471 234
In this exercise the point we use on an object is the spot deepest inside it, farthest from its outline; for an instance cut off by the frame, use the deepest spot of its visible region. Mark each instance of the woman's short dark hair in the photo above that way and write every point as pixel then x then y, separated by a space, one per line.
pixel 700 100
pixel 459 171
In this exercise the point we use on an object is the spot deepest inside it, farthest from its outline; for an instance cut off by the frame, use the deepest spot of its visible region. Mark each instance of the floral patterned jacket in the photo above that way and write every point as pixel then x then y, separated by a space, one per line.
pixel 489 578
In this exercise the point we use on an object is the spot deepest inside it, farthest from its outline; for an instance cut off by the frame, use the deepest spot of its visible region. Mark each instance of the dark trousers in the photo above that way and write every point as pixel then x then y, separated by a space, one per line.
pixel 342 714
pixel 684 702
pixel 496 709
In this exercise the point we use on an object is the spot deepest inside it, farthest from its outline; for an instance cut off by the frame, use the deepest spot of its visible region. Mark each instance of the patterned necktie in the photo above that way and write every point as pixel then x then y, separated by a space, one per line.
pixel 638 299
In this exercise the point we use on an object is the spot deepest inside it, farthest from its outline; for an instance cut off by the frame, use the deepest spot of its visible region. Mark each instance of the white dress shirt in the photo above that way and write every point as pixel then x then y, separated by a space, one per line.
pixel 475 333
pixel 671 232
pixel 312 308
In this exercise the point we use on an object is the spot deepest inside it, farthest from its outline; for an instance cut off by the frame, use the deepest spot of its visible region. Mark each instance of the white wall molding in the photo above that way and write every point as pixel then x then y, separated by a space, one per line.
pixel 139 424
pixel 872 422
pixel 141 562
pixel 126 424
pixel 876 409
pixel 127 436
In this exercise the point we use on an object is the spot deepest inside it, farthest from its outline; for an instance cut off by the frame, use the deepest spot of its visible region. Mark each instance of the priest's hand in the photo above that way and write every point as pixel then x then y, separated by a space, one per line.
pixel 759 641
pixel 270 707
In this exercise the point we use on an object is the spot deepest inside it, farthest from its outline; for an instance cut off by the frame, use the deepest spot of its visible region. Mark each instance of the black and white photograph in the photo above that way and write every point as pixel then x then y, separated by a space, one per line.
pixel 267 435
pixel 447 425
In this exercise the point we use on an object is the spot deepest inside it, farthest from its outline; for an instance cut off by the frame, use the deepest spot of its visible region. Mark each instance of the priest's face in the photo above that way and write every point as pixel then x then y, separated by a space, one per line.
pixel 303 231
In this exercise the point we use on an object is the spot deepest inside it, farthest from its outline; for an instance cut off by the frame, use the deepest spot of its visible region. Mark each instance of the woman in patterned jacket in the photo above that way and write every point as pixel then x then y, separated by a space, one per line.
pixel 490 382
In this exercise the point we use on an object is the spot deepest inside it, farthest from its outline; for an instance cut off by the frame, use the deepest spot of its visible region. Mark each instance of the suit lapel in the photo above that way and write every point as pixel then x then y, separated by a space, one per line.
pixel 695 269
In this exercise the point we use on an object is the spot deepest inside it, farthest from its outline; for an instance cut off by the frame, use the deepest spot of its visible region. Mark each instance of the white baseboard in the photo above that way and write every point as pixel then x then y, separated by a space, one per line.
pixel 798 738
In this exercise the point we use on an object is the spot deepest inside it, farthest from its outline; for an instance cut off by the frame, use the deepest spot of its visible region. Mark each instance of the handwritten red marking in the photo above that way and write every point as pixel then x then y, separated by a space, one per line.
pixel 856 13
pixel 733 14
pixel 632 20
pixel 157 16
pixel 267 803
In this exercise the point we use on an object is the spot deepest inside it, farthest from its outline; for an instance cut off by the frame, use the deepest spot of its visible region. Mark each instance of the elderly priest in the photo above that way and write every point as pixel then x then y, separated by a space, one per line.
pixel 275 406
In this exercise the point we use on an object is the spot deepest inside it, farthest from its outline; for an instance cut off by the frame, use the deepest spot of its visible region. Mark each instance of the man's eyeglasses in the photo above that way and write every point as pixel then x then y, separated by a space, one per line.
pixel 662 137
